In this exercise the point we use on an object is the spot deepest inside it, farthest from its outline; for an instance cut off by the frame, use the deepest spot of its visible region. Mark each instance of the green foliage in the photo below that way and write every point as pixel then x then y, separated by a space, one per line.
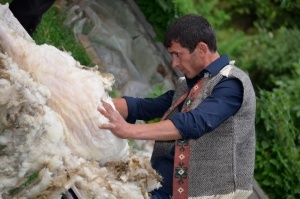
pixel 277 157
pixel 264 15
pixel 161 13
pixel 5 1
pixel 30 179
pixel 212 10
pixel 272 60
pixel 52 31
pixel 114 93
pixel 157 91
pixel 231 43
pixel 267 56
pixel 290 87
pixel 278 134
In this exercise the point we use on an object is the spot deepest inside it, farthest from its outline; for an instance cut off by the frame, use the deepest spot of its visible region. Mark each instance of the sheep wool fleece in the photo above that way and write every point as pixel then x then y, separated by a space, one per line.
pixel 221 161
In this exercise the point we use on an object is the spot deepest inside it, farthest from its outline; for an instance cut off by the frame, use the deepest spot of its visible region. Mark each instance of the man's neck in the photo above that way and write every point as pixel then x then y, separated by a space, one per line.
pixel 211 57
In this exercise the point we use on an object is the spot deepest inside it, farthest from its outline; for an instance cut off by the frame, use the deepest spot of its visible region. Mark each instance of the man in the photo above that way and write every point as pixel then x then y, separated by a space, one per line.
pixel 216 116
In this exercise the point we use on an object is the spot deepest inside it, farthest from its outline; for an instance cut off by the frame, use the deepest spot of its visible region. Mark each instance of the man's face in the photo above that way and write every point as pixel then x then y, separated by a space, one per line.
pixel 188 63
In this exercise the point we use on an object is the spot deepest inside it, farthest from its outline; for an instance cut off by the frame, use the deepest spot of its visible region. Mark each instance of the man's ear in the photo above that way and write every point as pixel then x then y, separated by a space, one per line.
pixel 202 47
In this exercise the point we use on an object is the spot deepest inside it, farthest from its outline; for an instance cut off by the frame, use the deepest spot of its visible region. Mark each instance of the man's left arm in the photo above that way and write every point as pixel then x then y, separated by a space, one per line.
pixel 225 100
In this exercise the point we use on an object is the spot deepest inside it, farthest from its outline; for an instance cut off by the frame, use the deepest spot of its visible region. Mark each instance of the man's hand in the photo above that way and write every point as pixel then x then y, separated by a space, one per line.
pixel 164 130
pixel 117 125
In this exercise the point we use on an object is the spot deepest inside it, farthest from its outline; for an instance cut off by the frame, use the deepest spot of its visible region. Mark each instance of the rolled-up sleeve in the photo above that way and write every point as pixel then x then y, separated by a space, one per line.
pixel 148 108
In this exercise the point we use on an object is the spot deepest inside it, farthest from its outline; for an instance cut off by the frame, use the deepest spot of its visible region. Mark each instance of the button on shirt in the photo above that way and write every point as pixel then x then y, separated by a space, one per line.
pixel 224 101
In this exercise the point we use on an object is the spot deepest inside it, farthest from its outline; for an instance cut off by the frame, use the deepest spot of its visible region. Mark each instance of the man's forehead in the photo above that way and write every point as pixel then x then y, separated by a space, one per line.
pixel 175 47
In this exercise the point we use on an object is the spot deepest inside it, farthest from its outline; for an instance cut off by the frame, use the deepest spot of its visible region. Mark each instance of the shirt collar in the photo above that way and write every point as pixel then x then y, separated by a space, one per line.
pixel 213 69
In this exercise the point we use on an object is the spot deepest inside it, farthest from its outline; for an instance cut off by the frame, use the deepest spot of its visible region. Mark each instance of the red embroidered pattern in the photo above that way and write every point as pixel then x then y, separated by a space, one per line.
pixel 182 147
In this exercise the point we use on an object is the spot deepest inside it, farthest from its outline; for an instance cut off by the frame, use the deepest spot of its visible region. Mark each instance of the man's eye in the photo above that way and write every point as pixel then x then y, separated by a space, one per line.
pixel 176 55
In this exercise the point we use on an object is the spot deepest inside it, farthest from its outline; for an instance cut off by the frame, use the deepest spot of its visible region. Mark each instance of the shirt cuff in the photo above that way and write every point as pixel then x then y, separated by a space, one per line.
pixel 131 109
pixel 177 124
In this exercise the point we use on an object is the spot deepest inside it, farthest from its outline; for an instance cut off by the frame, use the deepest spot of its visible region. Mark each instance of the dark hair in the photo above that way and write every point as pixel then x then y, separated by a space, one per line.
pixel 189 30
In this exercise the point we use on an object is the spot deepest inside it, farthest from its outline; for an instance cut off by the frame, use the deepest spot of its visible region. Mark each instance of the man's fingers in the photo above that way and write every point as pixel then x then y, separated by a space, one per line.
pixel 107 106
pixel 103 112
pixel 107 126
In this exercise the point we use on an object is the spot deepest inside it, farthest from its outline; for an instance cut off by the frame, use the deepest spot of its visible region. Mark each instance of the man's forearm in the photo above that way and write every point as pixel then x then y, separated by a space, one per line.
pixel 121 106
pixel 164 130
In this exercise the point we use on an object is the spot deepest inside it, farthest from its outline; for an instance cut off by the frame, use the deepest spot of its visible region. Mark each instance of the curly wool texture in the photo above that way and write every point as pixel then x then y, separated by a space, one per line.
pixel 49 125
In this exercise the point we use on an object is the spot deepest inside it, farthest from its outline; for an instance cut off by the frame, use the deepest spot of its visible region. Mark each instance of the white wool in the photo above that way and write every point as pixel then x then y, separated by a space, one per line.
pixel 78 91
pixel 44 181
pixel 4 91
pixel 49 126
pixel 226 70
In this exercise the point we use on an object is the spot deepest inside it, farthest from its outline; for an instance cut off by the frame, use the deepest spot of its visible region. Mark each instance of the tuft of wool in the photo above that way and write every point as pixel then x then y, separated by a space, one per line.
pixel 73 93
pixel 49 135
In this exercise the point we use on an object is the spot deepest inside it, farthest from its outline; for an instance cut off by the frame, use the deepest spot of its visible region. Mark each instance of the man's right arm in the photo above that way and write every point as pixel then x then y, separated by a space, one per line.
pixel 163 130
pixel 133 108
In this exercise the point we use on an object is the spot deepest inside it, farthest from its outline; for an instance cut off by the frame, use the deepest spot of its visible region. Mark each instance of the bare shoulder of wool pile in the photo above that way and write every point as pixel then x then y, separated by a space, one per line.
pixel 49 135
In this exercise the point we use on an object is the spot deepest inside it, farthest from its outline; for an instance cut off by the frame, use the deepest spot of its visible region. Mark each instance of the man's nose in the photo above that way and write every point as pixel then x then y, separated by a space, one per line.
pixel 175 62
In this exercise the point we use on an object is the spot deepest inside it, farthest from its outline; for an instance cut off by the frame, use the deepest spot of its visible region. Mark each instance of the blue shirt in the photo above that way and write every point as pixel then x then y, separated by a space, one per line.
pixel 224 101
